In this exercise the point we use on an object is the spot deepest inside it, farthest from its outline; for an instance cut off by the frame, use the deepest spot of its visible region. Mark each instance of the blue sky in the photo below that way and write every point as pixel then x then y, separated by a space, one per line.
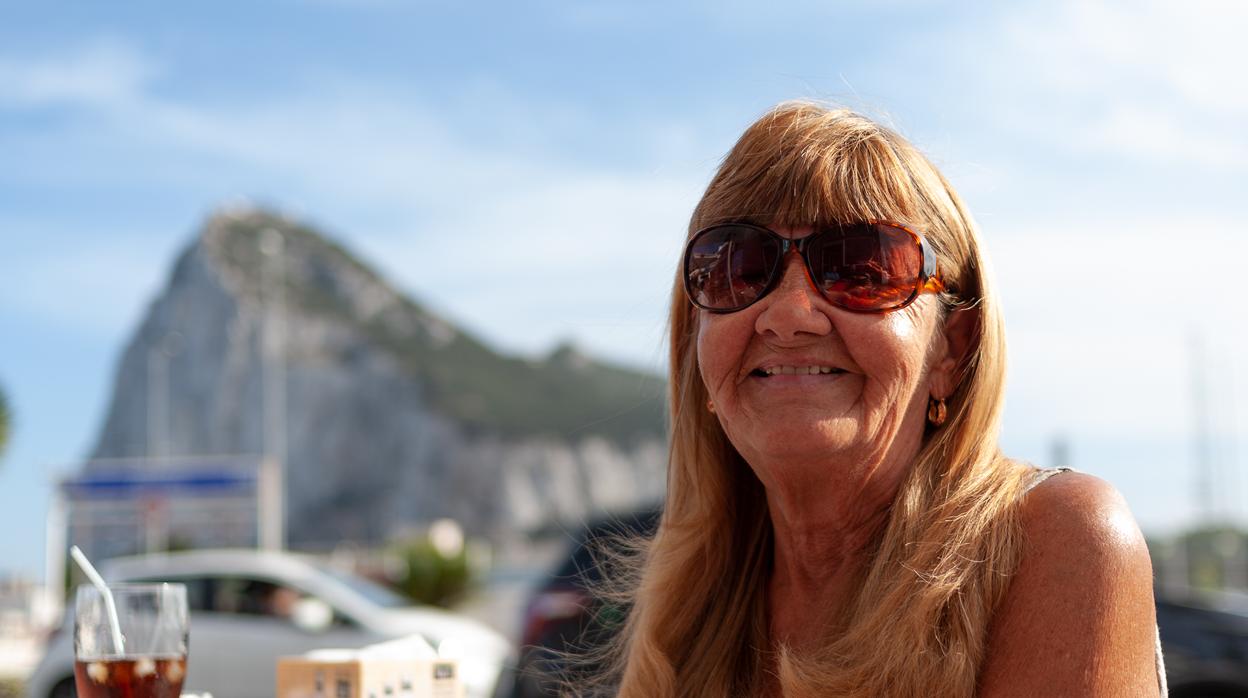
pixel 469 150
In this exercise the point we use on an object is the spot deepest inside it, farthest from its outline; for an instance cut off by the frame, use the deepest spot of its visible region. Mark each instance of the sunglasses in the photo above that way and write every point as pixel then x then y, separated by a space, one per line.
pixel 870 267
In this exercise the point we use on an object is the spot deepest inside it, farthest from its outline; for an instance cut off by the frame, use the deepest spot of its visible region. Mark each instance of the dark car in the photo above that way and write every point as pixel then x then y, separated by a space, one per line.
pixel 1205 645
pixel 562 618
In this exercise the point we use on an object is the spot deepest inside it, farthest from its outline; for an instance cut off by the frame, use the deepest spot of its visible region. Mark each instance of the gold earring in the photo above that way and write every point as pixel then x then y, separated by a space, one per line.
pixel 936 411
pixel 710 406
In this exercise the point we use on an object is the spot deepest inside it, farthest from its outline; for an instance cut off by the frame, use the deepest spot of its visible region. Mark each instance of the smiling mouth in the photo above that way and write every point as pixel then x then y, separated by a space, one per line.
pixel 770 371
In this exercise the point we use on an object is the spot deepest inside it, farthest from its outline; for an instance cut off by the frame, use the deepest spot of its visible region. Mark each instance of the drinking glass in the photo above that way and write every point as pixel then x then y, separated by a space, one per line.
pixel 154 625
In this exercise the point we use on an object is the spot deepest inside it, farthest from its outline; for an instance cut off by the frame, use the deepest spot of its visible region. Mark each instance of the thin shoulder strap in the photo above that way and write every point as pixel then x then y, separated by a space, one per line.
pixel 1042 474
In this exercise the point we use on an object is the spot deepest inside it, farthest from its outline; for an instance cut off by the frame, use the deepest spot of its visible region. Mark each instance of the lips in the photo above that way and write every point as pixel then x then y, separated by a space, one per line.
pixel 794 370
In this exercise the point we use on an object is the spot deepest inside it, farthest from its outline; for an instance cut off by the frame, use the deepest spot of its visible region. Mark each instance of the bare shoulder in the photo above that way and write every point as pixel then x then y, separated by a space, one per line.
pixel 1078 617
pixel 1075 507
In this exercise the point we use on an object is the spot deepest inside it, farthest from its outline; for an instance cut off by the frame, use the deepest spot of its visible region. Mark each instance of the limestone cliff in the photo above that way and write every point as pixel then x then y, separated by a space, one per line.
pixel 394 416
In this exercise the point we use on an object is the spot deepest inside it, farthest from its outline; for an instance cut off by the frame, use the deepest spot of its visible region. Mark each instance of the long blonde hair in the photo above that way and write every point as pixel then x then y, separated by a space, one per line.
pixel 918 623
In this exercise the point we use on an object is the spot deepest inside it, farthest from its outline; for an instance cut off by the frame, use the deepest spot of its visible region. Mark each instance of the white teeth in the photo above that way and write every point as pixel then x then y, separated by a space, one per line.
pixel 798 370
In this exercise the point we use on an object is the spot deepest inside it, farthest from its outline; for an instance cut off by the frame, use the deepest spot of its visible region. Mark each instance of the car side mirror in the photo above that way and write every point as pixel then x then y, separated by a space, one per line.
pixel 312 615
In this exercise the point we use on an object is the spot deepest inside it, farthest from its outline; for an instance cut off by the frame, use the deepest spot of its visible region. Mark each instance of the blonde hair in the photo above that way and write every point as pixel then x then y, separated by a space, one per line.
pixel 918 623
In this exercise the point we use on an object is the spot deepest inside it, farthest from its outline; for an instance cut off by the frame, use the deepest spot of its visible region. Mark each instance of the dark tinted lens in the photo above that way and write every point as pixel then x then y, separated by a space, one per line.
pixel 729 267
pixel 868 266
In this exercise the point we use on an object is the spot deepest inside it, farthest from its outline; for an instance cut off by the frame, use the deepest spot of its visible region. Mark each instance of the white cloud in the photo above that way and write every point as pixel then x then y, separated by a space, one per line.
pixel 1195 49
pixel 1102 314
pixel 97 285
pixel 1153 80
pixel 588 256
pixel 103 72
pixel 369 148
pixel 1191 49
pixel 1163 135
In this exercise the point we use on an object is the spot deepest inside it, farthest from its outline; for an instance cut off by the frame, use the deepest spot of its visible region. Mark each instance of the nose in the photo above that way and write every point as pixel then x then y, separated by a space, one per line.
pixel 794 308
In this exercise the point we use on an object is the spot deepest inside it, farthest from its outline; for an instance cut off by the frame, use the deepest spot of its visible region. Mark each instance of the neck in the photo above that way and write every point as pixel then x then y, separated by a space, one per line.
pixel 809 552
pixel 821 548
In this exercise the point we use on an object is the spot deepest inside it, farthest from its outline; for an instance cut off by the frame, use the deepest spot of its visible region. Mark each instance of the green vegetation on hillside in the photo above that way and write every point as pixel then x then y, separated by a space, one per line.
pixel 5 419
pixel 1208 557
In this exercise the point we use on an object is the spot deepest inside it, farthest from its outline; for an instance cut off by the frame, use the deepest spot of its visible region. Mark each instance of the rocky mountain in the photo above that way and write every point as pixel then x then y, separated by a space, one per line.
pixel 394 416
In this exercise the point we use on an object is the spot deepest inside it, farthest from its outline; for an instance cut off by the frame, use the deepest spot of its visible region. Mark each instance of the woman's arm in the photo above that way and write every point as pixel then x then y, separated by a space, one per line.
pixel 1079 617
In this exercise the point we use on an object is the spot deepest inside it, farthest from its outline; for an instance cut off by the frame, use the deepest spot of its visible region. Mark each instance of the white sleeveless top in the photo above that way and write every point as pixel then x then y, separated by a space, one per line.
pixel 1039 476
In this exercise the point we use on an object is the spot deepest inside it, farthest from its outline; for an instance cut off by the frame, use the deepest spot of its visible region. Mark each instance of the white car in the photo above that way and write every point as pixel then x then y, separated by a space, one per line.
pixel 249 607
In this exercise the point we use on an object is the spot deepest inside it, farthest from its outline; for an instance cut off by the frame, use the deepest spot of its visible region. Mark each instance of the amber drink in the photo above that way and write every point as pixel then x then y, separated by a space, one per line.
pixel 150 677
pixel 150 662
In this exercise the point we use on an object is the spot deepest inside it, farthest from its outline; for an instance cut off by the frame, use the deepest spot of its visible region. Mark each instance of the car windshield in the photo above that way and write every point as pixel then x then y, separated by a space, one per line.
pixel 373 592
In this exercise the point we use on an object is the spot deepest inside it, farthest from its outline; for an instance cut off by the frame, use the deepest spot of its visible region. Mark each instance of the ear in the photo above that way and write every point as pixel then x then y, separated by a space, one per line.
pixel 960 331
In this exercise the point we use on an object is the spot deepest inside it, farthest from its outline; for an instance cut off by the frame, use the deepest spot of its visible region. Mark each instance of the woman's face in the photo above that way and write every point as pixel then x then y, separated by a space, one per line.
pixel 797 382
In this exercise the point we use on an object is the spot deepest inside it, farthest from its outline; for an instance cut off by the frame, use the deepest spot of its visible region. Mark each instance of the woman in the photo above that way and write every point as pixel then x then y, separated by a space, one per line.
pixel 839 520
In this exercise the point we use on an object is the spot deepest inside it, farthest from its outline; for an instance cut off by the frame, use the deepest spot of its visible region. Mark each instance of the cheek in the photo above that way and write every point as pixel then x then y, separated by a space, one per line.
pixel 720 346
pixel 903 326
pixel 893 351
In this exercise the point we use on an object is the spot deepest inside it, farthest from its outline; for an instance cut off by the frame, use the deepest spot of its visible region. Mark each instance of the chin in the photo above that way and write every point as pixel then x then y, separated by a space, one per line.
pixel 816 437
